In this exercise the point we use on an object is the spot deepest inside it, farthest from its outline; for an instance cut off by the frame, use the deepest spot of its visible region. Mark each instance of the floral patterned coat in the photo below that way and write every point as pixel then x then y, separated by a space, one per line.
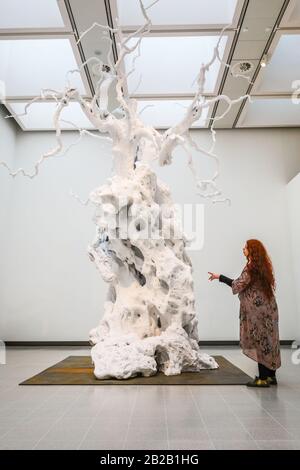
pixel 259 335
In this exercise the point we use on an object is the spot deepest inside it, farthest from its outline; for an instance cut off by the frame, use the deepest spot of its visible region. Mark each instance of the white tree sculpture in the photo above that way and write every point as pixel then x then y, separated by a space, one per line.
pixel 149 322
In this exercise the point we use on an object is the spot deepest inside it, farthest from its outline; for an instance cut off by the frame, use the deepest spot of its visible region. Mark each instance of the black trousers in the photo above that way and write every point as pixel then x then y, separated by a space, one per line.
pixel 264 372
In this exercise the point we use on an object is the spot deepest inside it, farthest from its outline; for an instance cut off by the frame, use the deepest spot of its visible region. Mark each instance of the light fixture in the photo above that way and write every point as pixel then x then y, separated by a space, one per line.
pixel 264 61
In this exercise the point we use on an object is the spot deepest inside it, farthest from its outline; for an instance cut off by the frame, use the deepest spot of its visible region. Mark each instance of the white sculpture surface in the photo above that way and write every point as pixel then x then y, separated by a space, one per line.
pixel 149 322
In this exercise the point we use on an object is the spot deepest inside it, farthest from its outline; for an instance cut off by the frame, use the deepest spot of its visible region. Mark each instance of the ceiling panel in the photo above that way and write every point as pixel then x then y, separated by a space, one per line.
pixel 264 8
pixel 40 116
pixel 235 87
pixel 168 65
pixel 30 64
pixel 33 14
pixel 204 13
pixel 283 67
pixel 291 18
pixel 249 50
pixel 270 112
pixel 166 113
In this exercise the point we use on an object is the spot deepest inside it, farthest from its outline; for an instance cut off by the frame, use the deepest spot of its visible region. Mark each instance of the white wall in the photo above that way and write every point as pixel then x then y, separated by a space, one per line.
pixel 293 191
pixel 49 289
pixel 7 152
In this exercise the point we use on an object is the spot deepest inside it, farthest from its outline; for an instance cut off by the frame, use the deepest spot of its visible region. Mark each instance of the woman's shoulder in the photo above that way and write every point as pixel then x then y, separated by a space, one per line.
pixel 246 269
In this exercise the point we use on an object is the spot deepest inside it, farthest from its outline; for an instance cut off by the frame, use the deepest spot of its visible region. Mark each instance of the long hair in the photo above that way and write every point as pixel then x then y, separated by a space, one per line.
pixel 260 267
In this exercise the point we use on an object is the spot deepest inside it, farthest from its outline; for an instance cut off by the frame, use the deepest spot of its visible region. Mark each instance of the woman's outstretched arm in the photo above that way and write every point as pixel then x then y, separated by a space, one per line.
pixel 225 280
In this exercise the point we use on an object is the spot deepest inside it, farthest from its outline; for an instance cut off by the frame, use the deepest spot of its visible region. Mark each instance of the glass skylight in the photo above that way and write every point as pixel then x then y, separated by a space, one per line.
pixel 168 65
pixel 264 112
pixel 179 12
pixel 166 113
pixel 283 68
pixel 28 65
pixel 31 14
pixel 40 116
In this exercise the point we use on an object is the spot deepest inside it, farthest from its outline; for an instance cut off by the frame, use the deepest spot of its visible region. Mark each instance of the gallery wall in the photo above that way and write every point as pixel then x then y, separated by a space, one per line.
pixel 50 291
pixel 8 134
pixel 293 192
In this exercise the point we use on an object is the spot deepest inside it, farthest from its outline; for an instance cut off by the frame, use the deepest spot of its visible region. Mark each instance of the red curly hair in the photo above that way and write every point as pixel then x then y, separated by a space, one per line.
pixel 260 267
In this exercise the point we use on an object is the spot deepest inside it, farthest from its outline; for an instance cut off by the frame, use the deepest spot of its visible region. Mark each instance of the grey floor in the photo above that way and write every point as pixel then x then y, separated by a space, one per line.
pixel 145 417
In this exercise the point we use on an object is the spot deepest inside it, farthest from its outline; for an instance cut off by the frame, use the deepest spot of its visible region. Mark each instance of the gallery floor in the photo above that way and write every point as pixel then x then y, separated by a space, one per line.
pixel 145 417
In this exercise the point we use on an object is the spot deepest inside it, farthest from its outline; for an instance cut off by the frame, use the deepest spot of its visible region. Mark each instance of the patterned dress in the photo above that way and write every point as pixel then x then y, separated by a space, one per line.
pixel 259 335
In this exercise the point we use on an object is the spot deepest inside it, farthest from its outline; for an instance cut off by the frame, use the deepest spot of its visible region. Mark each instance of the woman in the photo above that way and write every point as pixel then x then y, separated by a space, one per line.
pixel 259 336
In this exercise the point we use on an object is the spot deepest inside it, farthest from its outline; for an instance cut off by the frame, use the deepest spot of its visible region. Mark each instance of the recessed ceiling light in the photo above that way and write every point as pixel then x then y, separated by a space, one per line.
pixel 264 61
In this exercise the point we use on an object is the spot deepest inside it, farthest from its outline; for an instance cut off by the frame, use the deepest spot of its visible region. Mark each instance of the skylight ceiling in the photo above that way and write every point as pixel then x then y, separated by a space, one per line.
pixel 33 14
pixel 40 116
pixel 204 13
pixel 28 65
pixel 166 113
pixel 38 47
pixel 168 65
pixel 284 66
pixel 270 112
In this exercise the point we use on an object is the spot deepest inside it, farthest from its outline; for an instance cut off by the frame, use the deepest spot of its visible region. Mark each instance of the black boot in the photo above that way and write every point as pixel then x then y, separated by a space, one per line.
pixel 272 380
